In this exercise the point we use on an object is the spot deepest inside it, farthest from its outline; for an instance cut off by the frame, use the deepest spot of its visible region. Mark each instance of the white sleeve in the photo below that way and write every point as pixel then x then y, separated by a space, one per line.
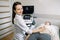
pixel 21 24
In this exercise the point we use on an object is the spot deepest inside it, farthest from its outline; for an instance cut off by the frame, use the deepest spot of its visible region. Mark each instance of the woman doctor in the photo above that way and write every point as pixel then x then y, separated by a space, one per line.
pixel 19 23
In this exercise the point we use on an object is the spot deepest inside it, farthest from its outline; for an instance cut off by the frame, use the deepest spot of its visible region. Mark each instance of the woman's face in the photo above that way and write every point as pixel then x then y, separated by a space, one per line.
pixel 19 9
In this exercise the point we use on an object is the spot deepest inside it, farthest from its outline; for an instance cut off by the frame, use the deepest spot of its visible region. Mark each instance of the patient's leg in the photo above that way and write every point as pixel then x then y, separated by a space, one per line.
pixel 45 36
pixel 38 36
pixel 34 36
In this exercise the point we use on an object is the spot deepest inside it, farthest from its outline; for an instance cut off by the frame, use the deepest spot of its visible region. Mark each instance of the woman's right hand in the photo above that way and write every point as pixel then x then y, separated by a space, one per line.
pixel 41 29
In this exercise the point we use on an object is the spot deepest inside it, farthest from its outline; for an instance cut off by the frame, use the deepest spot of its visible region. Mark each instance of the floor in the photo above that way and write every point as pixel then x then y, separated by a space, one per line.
pixel 59 33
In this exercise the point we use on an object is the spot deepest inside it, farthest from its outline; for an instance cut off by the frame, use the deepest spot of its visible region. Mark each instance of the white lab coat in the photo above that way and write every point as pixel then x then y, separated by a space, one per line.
pixel 51 30
pixel 20 27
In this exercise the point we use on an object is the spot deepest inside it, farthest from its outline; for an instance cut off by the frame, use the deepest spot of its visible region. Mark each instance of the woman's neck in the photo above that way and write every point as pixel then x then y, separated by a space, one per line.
pixel 19 14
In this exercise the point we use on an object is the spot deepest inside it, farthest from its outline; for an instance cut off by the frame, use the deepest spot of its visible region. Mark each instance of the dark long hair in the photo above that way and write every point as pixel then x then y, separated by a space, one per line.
pixel 14 8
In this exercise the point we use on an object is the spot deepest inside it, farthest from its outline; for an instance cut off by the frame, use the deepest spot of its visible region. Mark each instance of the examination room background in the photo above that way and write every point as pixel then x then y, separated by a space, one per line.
pixel 43 10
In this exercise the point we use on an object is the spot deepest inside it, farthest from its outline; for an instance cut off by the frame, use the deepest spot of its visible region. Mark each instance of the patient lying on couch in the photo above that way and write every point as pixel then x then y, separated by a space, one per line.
pixel 51 32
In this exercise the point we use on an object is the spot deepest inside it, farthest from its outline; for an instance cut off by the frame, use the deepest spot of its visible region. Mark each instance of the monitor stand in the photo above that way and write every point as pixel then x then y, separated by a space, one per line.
pixel 27 17
pixel 29 21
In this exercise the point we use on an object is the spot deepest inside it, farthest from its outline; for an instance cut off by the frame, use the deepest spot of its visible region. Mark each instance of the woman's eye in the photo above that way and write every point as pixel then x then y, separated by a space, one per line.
pixel 18 9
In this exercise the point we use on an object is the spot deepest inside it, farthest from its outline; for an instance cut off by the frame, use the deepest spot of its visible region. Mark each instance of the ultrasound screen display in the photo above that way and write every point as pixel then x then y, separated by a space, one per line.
pixel 28 9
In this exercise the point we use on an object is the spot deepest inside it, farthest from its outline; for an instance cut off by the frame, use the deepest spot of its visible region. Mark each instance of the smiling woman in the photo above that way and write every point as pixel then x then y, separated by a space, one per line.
pixel 6 29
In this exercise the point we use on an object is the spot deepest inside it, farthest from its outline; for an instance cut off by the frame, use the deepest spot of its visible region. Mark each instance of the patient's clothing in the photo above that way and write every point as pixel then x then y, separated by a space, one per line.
pixel 38 36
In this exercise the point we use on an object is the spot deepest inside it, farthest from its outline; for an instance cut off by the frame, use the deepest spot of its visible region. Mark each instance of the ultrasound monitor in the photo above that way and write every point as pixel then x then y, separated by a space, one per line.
pixel 28 9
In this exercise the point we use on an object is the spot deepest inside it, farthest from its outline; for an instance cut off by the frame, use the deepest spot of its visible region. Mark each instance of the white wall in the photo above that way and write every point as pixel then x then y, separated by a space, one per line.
pixel 44 6
pixel 45 10
pixel 48 7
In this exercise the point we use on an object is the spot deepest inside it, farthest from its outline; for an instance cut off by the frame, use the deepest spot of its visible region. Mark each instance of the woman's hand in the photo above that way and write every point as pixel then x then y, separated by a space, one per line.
pixel 41 29
pixel 27 37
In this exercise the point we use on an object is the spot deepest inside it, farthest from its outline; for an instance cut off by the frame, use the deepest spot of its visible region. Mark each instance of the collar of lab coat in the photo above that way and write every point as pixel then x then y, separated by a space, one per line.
pixel 18 15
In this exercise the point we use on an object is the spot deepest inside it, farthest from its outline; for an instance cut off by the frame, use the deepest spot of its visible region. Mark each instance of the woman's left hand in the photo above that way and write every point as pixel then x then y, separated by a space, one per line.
pixel 27 37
